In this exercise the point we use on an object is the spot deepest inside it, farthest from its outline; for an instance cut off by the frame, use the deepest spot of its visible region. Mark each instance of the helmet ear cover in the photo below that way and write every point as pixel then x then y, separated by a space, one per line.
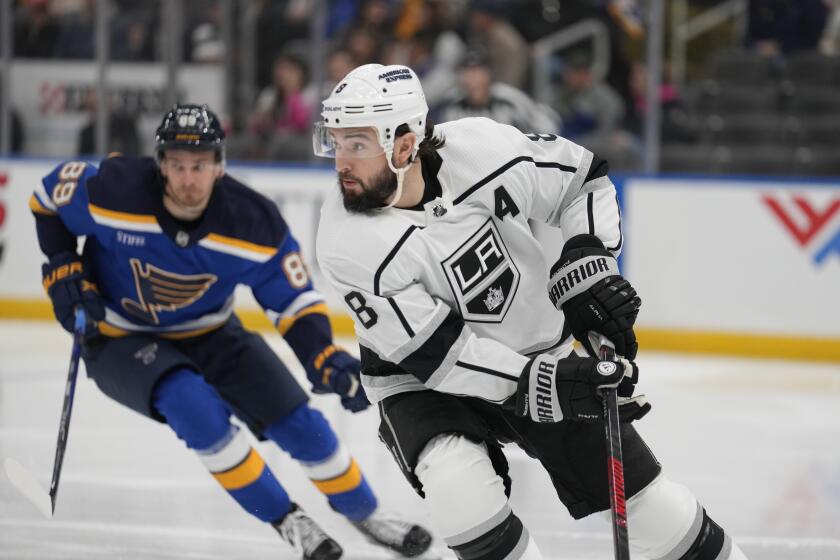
pixel 190 127
pixel 378 97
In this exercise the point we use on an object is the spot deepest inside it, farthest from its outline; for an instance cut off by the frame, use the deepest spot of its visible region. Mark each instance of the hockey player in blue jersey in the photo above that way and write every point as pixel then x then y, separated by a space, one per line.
pixel 167 241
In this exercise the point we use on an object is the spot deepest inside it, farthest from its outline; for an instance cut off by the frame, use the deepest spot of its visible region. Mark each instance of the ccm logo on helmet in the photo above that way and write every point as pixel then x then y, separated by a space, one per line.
pixel 394 75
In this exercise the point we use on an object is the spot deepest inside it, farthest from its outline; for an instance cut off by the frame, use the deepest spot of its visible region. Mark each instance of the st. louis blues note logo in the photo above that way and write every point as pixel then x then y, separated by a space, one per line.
pixel 482 276
pixel 159 290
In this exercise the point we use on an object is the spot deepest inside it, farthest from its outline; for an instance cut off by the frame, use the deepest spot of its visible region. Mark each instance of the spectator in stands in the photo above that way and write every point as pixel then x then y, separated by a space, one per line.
pixel 282 121
pixel 35 30
pixel 780 27
pixel 537 20
pixel 481 96
pixel 122 131
pixel 77 32
pixel 279 23
pixel 432 46
pixel 374 17
pixel 435 60
pixel 129 31
pixel 131 37
pixel 592 112
pixel 507 51
pixel 675 124
pixel 339 63
pixel 204 40
pixel 363 45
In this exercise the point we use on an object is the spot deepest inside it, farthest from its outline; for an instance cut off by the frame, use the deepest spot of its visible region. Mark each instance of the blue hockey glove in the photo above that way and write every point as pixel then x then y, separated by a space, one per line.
pixel 335 371
pixel 66 283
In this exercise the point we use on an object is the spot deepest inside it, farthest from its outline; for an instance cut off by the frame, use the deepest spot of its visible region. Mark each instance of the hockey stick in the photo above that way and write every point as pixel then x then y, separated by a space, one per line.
pixel 19 475
pixel 615 461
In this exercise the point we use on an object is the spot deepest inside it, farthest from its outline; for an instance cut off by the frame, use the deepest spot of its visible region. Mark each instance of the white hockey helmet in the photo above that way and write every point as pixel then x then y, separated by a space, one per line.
pixel 376 96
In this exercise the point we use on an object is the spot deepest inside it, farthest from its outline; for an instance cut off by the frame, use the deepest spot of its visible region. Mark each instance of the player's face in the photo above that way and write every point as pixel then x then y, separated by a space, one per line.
pixel 365 180
pixel 190 177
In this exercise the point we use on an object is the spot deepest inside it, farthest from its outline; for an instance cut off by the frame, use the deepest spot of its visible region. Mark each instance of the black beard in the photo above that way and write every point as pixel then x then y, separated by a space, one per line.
pixel 373 196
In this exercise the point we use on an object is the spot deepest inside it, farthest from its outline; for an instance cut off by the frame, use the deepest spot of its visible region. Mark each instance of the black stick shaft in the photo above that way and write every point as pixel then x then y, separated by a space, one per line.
pixel 615 468
pixel 67 408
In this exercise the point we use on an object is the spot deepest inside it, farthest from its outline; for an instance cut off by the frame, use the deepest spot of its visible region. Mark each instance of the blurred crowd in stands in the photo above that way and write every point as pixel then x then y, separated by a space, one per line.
pixel 475 57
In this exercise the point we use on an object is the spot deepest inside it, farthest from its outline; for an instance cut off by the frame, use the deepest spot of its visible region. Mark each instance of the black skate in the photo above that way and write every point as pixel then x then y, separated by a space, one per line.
pixel 391 532
pixel 306 537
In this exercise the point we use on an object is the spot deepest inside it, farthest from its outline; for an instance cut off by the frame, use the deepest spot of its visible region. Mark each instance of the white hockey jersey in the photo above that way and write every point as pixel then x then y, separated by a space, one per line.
pixel 452 295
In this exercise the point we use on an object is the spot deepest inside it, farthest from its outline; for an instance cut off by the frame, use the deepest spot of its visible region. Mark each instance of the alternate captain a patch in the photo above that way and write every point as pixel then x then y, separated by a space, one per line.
pixel 482 276
pixel 159 290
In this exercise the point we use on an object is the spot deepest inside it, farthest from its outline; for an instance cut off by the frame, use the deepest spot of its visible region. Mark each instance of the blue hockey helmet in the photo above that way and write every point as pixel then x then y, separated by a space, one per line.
pixel 190 127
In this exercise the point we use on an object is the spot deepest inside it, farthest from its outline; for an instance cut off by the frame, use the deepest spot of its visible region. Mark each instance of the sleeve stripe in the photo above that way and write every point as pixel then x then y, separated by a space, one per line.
pixel 305 299
pixel 377 368
pixel 505 167
pixel 285 324
pixel 390 256
pixel 574 189
pixel 44 198
pixel 439 317
pixel 36 206
pixel 433 357
pixel 597 168
pixel 383 379
pixel 401 317
pixel 620 234
pixel 590 212
pixel 555 165
pixel 486 370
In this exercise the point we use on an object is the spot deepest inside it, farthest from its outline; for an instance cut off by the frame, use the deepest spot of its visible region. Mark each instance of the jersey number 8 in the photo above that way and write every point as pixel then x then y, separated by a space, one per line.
pixel 295 271
pixel 367 316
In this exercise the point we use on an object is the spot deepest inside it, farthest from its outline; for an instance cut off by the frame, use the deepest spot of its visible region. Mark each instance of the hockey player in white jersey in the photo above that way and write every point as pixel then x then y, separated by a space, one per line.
pixel 427 241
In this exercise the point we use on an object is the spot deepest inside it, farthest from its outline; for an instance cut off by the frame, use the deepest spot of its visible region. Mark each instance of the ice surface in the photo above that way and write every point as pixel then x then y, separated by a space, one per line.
pixel 756 440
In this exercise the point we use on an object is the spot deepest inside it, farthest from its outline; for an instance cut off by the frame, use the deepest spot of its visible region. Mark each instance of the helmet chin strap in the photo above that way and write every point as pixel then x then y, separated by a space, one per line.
pixel 400 179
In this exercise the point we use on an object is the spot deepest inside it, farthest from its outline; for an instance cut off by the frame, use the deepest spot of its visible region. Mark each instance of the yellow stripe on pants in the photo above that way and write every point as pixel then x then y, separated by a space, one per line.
pixel 242 474
pixel 349 480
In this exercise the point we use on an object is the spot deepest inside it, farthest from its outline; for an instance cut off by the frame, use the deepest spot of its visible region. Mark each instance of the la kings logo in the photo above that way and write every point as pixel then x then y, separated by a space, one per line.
pixel 482 276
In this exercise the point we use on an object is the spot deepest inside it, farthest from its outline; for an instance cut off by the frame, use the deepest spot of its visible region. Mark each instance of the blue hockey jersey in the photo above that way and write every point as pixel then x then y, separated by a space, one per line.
pixel 160 275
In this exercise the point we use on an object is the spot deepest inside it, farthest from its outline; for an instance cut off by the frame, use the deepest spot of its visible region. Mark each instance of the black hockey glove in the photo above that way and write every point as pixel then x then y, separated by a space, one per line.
pixel 586 285
pixel 335 371
pixel 66 282
pixel 551 390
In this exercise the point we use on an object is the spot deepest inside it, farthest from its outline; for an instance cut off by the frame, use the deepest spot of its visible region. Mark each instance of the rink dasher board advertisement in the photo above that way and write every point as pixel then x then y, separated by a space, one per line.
pixel 735 266
pixel 735 256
